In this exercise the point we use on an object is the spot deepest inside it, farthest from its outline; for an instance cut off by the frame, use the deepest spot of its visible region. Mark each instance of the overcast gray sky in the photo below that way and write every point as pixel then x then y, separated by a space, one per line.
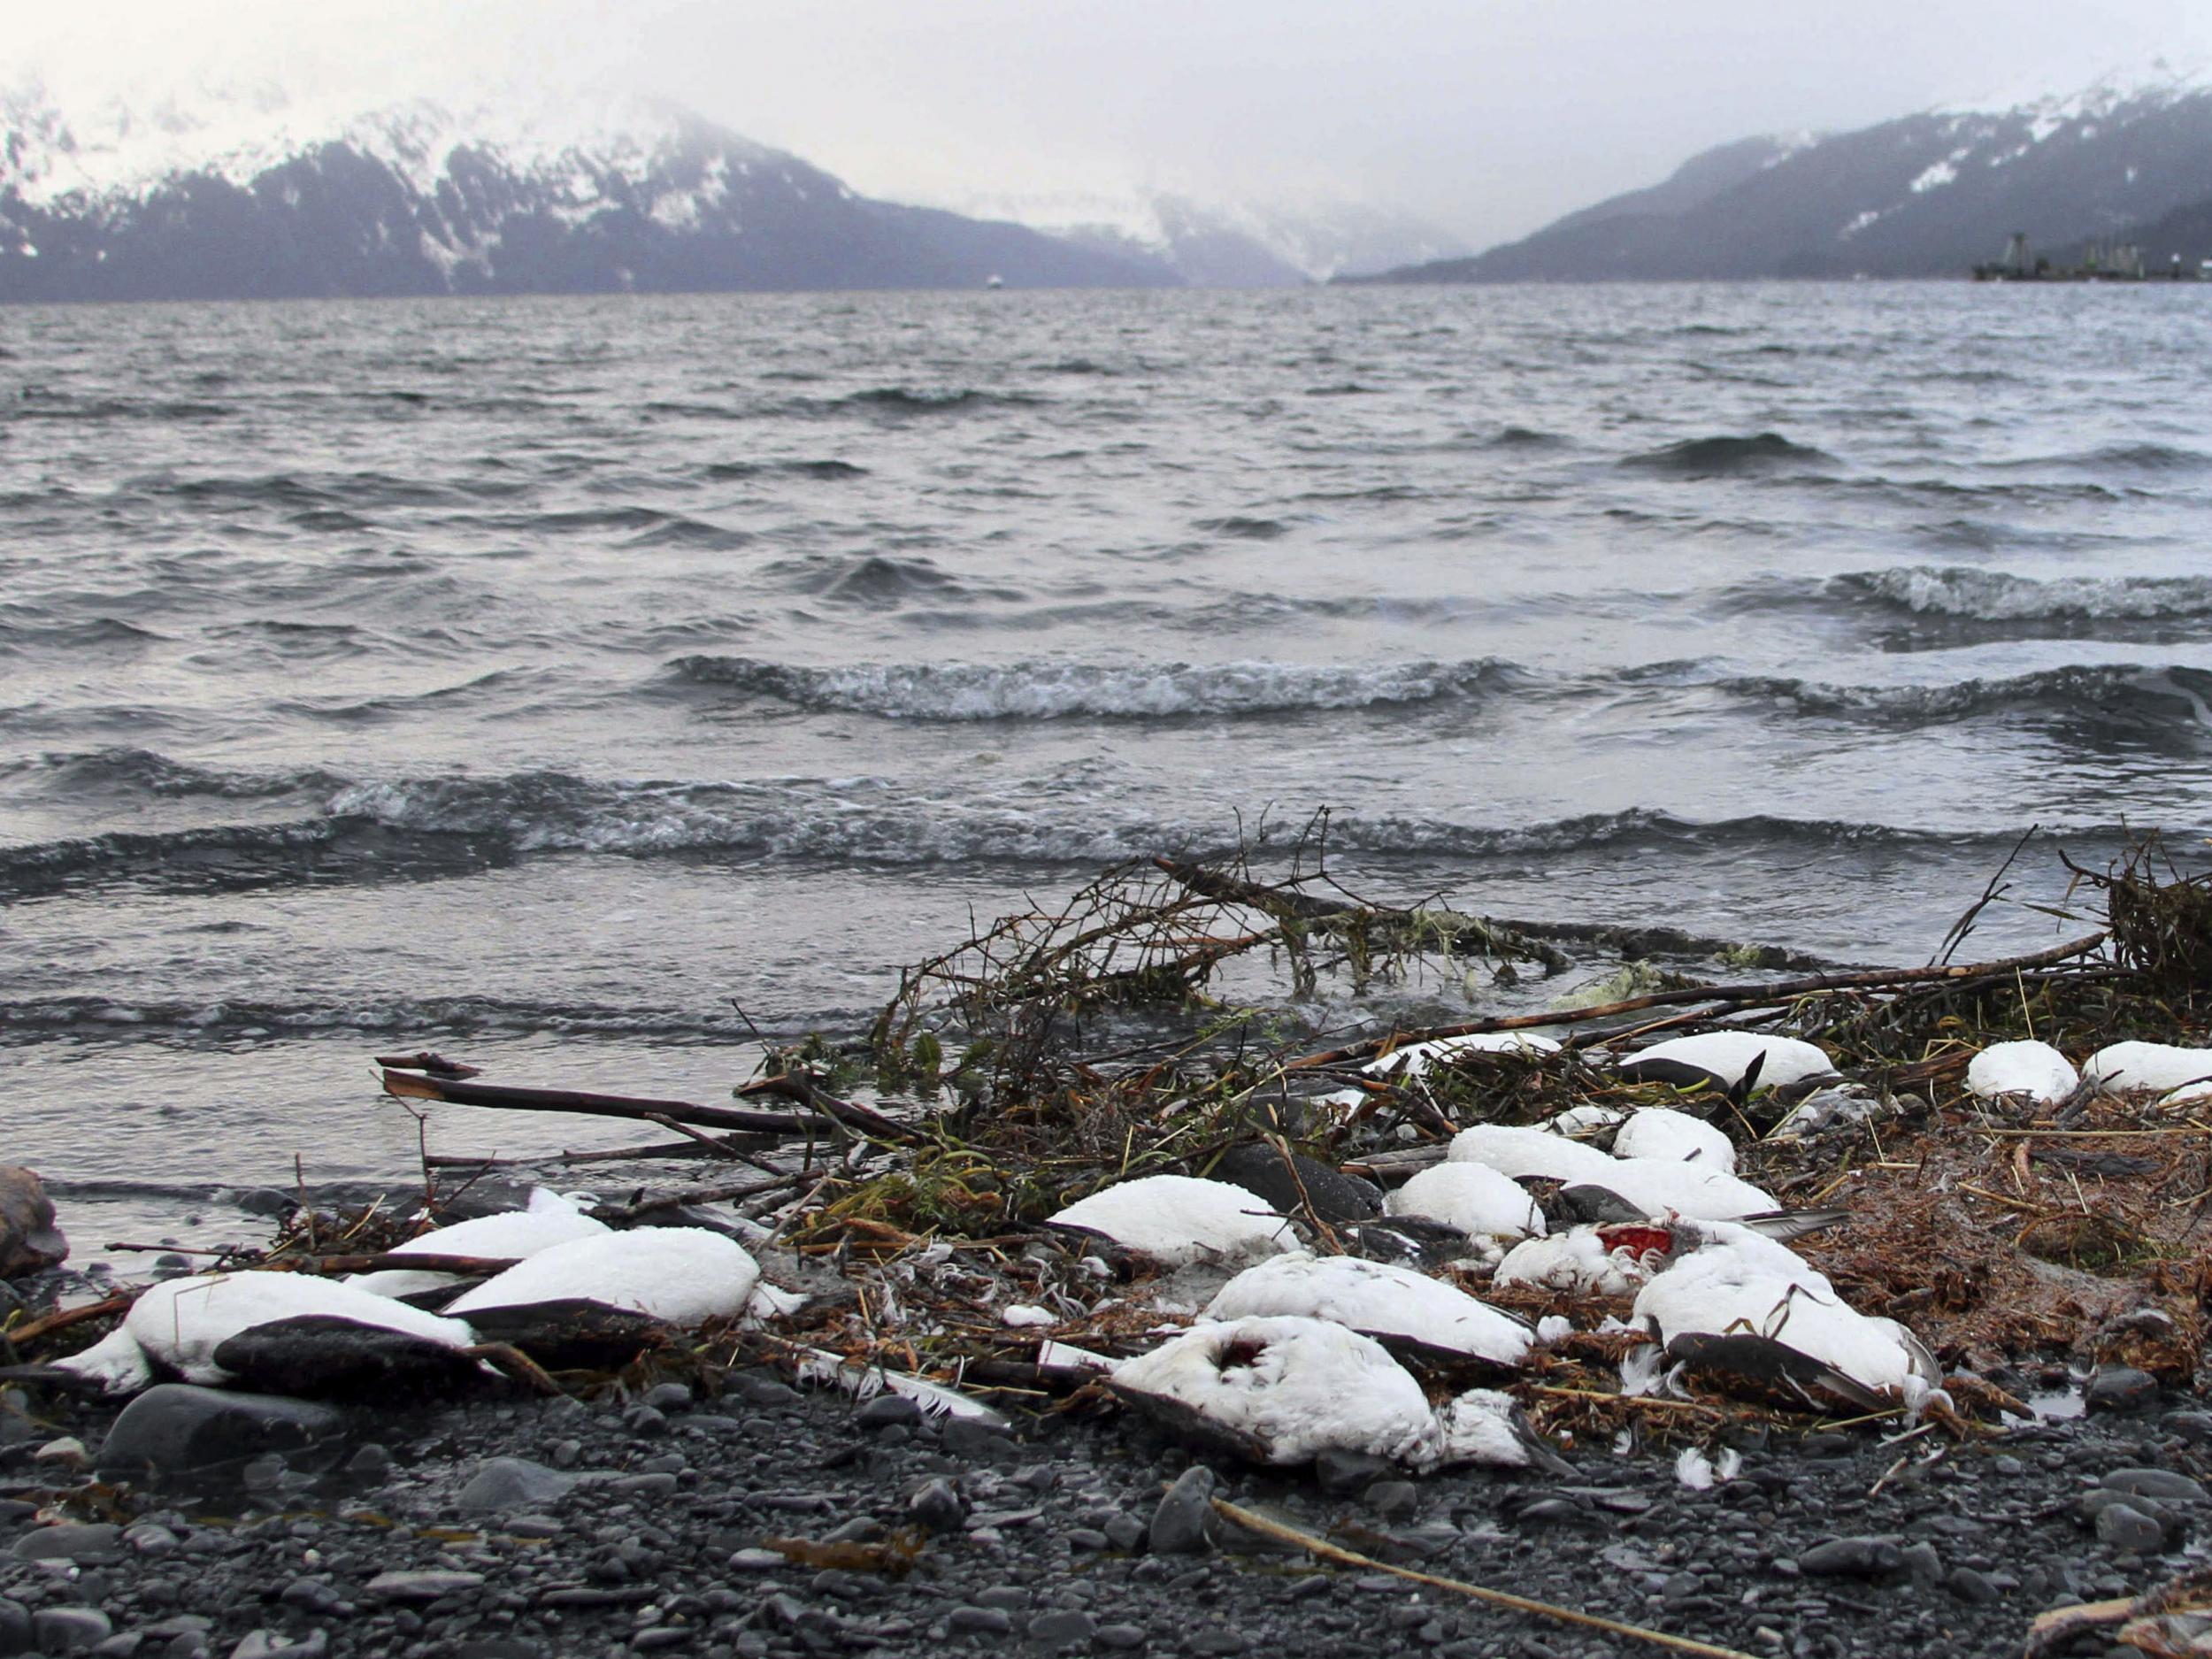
pixel 1490 117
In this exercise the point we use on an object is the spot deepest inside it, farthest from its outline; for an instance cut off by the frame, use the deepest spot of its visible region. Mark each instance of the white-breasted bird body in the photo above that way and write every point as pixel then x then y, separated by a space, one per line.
pixel 1182 1220
pixel 1523 1154
pixel 1284 1390
pixel 2031 1071
pixel 1417 1057
pixel 1726 1055
pixel 1671 1136
pixel 515 1235
pixel 2126 1067
pixel 176 1326
pixel 678 1275
pixel 1473 1197
pixel 1378 1299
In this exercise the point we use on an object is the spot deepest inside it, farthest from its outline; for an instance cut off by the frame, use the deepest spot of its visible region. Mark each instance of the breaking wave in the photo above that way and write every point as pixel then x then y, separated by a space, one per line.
pixel 1985 595
pixel 1044 690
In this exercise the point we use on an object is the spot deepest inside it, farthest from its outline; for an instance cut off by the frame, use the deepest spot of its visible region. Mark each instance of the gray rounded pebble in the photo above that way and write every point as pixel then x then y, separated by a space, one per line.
pixel 1853 1558
pixel 1061 1629
pixel 1183 1524
pixel 979 1620
pixel 92 1541
pixel 59 1630
pixel 937 1506
pixel 2128 1529
pixel 2157 1483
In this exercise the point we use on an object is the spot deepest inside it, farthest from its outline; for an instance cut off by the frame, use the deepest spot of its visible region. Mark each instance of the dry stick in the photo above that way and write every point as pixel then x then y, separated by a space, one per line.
pixel 697 1195
pixel 68 1317
pixel 1327 1551
pixel 1736 995
pixel 791 1086
pixel 409 1085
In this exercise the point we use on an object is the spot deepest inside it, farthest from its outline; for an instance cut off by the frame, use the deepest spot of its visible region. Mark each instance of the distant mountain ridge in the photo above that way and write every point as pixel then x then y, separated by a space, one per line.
pixel 251 198
pixel 1925 196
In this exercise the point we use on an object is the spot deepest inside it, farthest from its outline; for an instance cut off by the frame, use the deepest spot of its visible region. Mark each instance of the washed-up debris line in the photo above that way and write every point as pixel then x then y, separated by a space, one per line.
pixel 1199 1144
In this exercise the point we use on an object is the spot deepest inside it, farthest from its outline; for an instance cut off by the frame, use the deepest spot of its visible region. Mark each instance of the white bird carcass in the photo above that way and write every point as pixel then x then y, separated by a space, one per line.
pixel 1594 1261
pixel 1285 1390
pixel 680 1276
pixel 1670 1136
pixel 1376 1299
pixel 2033 1071
pixel 1654 1187
pixel 1524 1154
pixel 1180 1220
pixel 177 1325
pixel 1732 1306
pixel 1417 1057
pixel 1472 1198
pixel 512 1235
pixel 2123 1068
pixel 1724 1056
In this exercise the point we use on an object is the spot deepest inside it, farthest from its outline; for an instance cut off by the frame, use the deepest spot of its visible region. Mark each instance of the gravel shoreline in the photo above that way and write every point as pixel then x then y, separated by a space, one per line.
pixel 639 1525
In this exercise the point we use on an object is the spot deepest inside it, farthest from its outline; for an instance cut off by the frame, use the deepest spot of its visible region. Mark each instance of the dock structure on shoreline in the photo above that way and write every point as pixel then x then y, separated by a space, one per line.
pixel 2101 262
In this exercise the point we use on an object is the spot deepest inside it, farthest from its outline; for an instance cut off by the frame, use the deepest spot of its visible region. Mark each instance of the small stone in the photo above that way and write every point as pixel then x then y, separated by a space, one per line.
pixel 2129 1529
pixel 1922 1562
pixel 513 1483
pixel 1342 1473
pixel 645 1420
pixel 1125 1532
pixel 59 1630
pixel 979 1620
pixel 15 1627
pixel 267 1201
pixel 372 1462
pixel 148 1538
pixel 1853 1558
pixel 422 1586
pixel 757 1561
pixel 669 1396
pixel 1061 1629
pixel 67 1453
pixel 2157 1483
pixel 268 1644
pixel 1218 1642
pixel 659 1485
pixel 964 1437
pixel 2119 1388
pixel 937 1506
pixel 1118 1637
pixel 1393 1497
pixel 1972 1586
pixel 888 1411
pixel 92 1541
pixel 1183 1524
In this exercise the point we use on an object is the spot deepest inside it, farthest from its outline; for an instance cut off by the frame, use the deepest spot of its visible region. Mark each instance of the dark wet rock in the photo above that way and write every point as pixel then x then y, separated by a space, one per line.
pixel 268 1644
pixel 1393 1497
pixel 1184 1522
pixel 888 1411
pixel 29 1239
pixel 173 1427
pixel 1853 1558
pixel 2129 1529
pixel 937 1506
pixel 1063 1628
pixel 2167 1485
pixel 1341 1473
pixel 966 1437
pixel 98 1541
pixel 2119 1388
pixel 422 1586
pixel 63 1630
pixel 669 1396
pixel 15 1627
pixel 1288 1187
pixel 1972 1586
pixel 319 1354
pixel 1118 1638
pixel 271 1201
pixel 979 1620
pixel 506 1484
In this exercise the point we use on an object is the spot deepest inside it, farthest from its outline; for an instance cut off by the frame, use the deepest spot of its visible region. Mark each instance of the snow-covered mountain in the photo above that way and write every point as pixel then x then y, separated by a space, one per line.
pixel 245 194
pixel 1929 194
pixel 1227 244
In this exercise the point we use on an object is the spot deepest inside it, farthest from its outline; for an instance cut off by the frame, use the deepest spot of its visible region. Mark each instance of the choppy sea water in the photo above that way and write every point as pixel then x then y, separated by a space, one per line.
pixel 529 679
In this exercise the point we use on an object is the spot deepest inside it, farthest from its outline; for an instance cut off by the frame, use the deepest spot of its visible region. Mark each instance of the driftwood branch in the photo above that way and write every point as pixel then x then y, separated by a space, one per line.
pixel 1720 995
pixel 414 1086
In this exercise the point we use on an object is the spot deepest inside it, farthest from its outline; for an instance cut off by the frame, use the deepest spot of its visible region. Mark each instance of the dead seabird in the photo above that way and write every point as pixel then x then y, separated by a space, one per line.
pixel 1721 1058
pixel 549 1219
pixel 1284 1390
pixel 680 1276
pixel 1378 1299
pixel 1180 1220
pixel 176 1327
pixel 2033 1071
pixel 1472 1198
